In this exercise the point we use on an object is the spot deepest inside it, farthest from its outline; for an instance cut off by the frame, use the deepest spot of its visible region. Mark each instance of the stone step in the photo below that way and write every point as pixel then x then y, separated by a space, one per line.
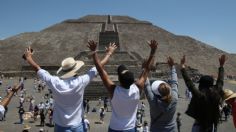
pixel 89 63
pixel 117 56
pixel 118 62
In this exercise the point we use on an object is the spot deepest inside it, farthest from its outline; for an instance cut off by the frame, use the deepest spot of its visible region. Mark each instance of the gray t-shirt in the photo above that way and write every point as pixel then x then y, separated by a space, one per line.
pixel 162 114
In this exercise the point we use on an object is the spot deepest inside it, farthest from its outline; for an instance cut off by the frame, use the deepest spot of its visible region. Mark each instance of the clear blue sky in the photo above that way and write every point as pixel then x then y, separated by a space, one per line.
pixel 210 21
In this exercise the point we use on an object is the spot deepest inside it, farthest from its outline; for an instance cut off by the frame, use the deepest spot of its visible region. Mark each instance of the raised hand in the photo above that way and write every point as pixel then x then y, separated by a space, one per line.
pixel 147 65
pixel 170 61
pixel 182 61
pixel 111 48
pixel 222 60
pixel 28 53
pixel 92 45
pixel 153 45
pixel 28 57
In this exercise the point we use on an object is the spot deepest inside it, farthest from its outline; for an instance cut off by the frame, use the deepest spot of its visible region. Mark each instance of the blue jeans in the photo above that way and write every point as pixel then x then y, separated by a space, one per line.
pixel 196 128
pixel 79 128
pixel 130 130
pixel 21 118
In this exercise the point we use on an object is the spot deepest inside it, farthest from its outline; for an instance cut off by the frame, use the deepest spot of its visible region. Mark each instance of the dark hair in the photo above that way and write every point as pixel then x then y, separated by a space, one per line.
pixel 125 77
pixel 206 82
pixel 210 112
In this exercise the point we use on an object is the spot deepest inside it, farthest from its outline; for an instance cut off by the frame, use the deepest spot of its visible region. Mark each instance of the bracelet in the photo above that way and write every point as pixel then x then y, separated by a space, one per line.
pixel 108 53
pixel 93 52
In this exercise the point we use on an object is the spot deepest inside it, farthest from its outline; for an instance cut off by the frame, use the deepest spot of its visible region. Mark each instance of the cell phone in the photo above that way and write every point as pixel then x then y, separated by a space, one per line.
pixel 23 56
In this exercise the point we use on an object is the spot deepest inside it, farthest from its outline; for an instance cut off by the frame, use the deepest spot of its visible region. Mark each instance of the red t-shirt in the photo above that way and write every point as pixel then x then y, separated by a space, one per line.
pixel 234 111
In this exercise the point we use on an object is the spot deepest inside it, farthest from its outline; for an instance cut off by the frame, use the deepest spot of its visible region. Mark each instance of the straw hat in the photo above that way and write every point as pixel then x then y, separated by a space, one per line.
pixel 69 67
pixel 27 115
pixel 26 127
pixel 229 94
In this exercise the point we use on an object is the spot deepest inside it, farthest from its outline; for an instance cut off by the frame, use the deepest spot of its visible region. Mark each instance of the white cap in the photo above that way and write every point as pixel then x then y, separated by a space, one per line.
pixel 155 86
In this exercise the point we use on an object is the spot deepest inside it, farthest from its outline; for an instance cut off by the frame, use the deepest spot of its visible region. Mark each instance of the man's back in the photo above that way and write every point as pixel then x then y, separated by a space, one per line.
pixel 68 96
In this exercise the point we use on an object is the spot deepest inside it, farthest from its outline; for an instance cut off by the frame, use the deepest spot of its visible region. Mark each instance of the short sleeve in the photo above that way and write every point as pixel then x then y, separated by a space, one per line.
pixel 89 76
pixel 2 110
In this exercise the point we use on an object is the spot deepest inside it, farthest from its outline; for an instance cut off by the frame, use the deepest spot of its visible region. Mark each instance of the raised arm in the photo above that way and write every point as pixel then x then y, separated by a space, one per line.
pixel 220 78
pixel 28 56
pixel 6 100
pixel 174 78
pixel 187 80
pixel 142 78
pixel 148 91
pixel 109 51
pixel 109 84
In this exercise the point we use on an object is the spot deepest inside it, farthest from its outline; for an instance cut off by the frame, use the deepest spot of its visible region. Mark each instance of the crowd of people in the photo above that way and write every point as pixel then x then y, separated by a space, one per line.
pixel 66 108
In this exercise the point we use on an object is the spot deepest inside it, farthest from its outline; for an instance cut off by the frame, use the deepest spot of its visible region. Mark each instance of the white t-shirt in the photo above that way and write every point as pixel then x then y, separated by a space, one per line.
pixel 41 106
pixel 86 122
pixel 139 129
pixel 51 100
pixel 145 129
pixel 2 110
pixel 22 100
pixel 124 105
pixel 47 105
pixel 68 96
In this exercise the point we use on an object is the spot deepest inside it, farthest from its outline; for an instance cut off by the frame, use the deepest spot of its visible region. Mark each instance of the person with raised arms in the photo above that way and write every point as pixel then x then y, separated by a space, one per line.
pixel 205 101
pixel 67 90
pixel 6 100
pixel 125 96
pixel 162 97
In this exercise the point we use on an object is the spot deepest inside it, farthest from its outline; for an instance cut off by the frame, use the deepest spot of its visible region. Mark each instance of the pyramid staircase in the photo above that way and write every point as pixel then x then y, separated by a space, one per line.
pixel 96 88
